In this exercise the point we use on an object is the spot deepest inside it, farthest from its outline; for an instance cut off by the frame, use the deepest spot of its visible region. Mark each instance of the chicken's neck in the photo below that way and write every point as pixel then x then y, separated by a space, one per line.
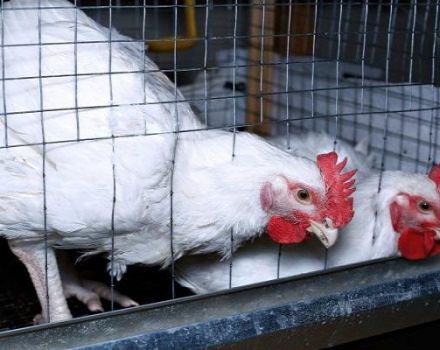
pixel 217 195
pixel 370 234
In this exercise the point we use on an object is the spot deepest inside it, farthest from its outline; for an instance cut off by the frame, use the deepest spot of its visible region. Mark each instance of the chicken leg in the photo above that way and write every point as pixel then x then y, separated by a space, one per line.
pixel 53 303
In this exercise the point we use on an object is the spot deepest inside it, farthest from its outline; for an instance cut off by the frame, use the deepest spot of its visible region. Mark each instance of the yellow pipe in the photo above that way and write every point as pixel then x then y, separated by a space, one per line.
pixel 187 42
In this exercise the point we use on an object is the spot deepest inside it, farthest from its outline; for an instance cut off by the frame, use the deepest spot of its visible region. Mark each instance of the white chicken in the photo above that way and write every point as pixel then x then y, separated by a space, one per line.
pixel 115 192
pixel 408 224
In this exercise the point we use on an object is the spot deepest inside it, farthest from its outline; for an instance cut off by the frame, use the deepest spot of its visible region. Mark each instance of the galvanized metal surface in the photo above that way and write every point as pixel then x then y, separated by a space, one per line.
pixel 305 313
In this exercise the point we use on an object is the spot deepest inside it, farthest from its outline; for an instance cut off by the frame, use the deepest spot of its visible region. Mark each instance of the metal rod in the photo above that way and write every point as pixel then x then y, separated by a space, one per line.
pixel 110 82
pixel 385 131
pixel 173 163
pixel 431 151
pixel 5 112
pixel 43 139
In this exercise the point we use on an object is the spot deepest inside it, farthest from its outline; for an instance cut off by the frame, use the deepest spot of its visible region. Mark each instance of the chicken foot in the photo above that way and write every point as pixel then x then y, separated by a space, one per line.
pixel 86 291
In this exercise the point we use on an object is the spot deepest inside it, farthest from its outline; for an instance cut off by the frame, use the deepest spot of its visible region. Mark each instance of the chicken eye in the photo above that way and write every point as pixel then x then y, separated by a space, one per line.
pixel 424 206
pixel 302 195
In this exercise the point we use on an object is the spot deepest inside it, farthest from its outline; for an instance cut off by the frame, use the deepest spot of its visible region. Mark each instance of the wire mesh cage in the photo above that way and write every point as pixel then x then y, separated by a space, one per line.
pixel 356 70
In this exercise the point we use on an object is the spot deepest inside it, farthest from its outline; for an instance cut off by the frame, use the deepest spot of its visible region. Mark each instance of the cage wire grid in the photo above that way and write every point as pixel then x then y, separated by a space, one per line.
pixel 354 69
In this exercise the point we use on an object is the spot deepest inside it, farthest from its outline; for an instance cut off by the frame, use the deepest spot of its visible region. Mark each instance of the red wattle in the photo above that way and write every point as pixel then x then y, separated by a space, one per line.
pixel 416 245
pixel 283 231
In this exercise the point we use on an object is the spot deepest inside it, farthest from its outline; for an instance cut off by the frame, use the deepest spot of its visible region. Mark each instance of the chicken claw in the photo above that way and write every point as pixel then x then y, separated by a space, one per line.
pixel 90 292
pixel 86 291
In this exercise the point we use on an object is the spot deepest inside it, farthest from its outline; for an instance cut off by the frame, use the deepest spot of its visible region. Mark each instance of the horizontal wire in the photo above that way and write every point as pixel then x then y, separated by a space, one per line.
pixel 217 128
pixel 218 38
pixel 200 6
pixel 184 100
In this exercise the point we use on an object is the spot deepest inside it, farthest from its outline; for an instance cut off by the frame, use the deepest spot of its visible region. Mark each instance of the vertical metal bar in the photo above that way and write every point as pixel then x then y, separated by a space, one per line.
pixel 234 113
pixel 5 112
pixel 289 24
pixel 205 63
pixel 234 72
pixel 385 132
pixel 43 139
pixel 286 88
pixel 347 22
pixel 360 32
pixel 422 41
pixel 173 163
pixel 312 81
pixel 436 128
pixel 144 40
pixel 332 42
pixel 407 32
pixel 411 59
pixel 357 42
pixel 403 101
pixel 338 59
pixel 364 45
pixel 376 32
pixel 410 78
pixel 75 53
pixel 138 16
pixel 372 56
pixel 110 82
pixel 434 89
pixel 263 20
pixel 144 48
pixel 421 69
pixel 333 25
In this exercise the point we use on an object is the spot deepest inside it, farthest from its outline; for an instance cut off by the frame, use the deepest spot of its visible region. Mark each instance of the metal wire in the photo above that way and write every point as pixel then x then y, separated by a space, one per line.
pixel 288 30
pixel 75 70
pixel 385 132
pixel 234 129
pixel 110 83
pixel 312 82
pixel 43 139
pixel 289 24
pixel 364 45
pixel 5 113
pixel 261 63
pixel 205 64
pixel 234 79
pixel 173 163
pixel 431 154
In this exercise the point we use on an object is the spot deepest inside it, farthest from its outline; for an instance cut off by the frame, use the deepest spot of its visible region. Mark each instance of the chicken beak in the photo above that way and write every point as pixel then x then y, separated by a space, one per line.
pixel 325 232
pixel 437 234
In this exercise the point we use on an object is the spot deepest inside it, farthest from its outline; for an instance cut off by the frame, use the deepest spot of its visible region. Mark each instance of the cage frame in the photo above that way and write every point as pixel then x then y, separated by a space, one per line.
pixel 261 316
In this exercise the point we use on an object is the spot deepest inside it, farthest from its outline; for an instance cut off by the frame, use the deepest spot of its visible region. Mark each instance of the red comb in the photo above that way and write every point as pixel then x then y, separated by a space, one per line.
pixel 434 175
pixel 339 187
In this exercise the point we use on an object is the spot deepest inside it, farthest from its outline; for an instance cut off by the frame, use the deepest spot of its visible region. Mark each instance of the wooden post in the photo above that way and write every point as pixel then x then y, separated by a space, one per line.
pixel 303 16
pixel 261 52
pixel 259 83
